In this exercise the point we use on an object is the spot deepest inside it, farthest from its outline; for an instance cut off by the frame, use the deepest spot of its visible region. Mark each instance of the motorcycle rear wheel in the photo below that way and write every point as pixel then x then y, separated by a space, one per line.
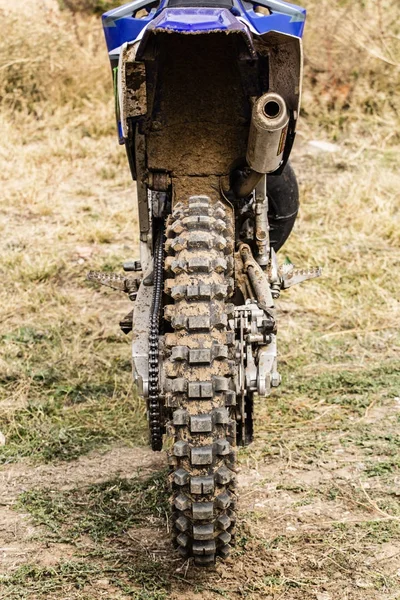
pixel 198 371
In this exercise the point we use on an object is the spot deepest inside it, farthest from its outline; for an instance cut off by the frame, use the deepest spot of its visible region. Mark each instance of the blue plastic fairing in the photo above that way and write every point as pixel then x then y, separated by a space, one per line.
pixel 120 24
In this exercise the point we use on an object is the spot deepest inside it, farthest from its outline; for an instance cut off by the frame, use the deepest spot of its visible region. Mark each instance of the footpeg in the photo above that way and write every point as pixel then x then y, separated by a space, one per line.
pixel 290 276
pixel 128 285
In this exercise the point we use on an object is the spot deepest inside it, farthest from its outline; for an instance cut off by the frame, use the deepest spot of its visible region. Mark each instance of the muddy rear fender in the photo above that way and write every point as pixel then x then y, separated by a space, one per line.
pixel 131 86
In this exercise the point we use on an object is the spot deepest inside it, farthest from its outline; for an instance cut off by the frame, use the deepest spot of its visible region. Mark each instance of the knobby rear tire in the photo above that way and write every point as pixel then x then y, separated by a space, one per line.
pixel 199 371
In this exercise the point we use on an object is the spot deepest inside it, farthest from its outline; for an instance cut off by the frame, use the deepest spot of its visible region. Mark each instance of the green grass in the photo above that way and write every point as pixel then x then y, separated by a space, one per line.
pixel 353 389
pixel 117 531
pixel 382 468
pixel 304 399
pixel 98 521
pixel 79 394
pixel 54 430
pixel 103 510
pixel 376 531
pixel 29 580
pixel 75 577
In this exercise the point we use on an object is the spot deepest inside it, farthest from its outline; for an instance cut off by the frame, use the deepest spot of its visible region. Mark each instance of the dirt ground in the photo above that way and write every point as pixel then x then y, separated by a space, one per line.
pixel 319 511
pixel 310 527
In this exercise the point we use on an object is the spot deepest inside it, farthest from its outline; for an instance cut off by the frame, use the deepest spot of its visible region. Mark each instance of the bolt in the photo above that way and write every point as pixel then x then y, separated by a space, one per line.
pixel 275 379
pixel 132 265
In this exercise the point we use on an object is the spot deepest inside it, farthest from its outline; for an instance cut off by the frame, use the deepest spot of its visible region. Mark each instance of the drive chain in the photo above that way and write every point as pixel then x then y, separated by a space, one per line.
pixel 154 405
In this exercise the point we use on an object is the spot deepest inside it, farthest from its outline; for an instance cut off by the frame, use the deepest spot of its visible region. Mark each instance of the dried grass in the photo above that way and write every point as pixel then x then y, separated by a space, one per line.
pixel 67 206
pixel 87 6
pixel 50 60
pixel 67 191
pixel 352 50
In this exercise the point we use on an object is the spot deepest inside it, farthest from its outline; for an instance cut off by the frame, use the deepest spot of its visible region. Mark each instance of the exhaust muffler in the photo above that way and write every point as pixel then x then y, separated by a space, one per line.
pixel 268 131
pixel 266 143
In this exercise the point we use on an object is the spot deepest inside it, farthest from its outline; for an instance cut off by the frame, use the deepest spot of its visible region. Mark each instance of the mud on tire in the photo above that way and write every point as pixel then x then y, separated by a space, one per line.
pixel 199 369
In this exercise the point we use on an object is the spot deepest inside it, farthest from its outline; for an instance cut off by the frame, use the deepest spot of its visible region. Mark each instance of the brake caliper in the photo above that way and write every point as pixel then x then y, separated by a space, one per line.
pixel 256 348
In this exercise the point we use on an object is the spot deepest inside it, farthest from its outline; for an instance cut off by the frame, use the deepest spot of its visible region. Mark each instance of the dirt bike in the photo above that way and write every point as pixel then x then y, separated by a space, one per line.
pixel 207 100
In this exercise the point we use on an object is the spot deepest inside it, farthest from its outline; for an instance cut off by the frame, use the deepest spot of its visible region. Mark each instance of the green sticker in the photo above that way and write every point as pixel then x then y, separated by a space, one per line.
pixel 115 79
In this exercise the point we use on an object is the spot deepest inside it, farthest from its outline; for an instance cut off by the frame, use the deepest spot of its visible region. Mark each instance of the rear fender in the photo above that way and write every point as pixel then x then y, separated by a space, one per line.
pixel 131 78
pixel 277 37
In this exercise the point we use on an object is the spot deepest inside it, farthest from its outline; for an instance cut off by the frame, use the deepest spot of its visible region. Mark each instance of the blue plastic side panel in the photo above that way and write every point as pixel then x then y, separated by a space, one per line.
pixel 123 30
pixel 286 18
pixel 276 22
pixel 120 26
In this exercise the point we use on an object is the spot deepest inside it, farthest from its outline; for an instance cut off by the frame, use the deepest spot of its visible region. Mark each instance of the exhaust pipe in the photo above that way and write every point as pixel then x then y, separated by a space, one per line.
pixel 267 137
pixel 268 131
